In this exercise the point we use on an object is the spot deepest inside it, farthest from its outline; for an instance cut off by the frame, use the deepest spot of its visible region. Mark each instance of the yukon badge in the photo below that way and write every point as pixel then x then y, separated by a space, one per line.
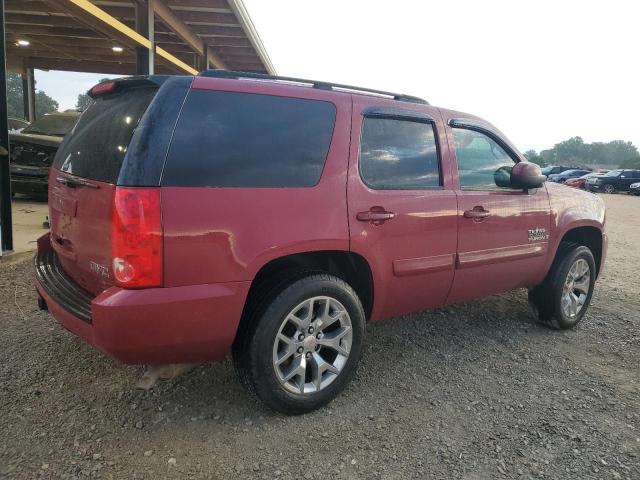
pixel 99 270
pixel 536 234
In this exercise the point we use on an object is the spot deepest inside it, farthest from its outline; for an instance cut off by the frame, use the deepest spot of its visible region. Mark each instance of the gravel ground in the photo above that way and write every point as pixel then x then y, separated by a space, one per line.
pixel 472 391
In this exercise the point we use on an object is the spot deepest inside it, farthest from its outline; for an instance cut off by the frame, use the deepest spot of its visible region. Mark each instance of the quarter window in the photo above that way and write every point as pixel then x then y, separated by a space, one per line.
pixel 228 139
pixel 482 163
pixel 398 154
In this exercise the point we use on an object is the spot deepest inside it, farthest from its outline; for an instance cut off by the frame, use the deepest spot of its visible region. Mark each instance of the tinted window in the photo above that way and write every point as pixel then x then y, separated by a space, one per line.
pixel 96 147
pixel 482 163
pixel 613 173
pixel 398 154
pixel 226 139
pixel 52 124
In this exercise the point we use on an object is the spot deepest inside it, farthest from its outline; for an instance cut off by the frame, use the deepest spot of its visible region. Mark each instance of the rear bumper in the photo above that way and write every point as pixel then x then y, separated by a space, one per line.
pixel 186 324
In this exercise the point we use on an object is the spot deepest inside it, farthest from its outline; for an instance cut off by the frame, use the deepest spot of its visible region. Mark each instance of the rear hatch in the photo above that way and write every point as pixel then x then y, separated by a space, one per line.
pixel 82 181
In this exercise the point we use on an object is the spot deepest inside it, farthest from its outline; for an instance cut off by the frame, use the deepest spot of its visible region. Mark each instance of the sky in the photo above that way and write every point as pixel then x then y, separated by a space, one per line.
pixel 541 71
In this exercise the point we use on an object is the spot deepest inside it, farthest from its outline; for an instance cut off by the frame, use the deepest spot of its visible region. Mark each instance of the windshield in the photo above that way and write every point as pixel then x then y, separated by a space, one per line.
pixel 547 170
pixel 96 148
pixel 613 173
pixel 52 124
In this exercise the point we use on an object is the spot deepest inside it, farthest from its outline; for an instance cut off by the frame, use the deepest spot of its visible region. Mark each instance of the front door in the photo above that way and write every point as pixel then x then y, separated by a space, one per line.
pixel 503 233
pixel 402 215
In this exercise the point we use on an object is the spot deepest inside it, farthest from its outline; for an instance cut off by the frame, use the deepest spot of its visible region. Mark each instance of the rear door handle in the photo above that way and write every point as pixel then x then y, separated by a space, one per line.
pixel 375 216
pixel 478 213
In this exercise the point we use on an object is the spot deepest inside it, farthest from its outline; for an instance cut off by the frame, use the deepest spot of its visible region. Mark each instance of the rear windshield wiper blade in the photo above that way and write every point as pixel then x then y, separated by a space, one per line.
pixel 75 182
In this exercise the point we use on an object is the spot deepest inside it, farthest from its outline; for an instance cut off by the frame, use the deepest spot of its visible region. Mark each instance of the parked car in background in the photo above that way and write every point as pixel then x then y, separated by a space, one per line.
pixel 615 181
pixel 17 124
pixel 555 169
pixel 566 175
pixel 33 149
pixel 581 181
pixel 272 218
pixel 635 188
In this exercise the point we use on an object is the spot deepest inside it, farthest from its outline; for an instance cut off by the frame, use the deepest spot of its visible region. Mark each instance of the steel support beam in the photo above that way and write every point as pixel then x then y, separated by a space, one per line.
pixel 30 95
pixel 151 35
pixel 6 229
pixel 186 34
pixel 142 27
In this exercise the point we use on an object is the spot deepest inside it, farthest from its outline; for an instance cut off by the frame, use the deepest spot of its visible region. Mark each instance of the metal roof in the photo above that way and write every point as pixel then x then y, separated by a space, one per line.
pixel 80 35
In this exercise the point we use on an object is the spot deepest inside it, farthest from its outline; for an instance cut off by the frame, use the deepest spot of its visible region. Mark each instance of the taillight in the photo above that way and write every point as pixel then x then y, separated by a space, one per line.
pixel 102 88
pixel 136 238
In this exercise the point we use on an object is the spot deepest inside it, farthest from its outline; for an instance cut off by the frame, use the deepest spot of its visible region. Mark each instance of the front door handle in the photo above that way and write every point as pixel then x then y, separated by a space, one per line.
pixel 376 216
pixel 478 213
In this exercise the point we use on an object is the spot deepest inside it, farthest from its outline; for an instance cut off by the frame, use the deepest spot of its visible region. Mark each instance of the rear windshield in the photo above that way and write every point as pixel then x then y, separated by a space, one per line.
pixel 52 124
pixel 96 147
pixel 227 139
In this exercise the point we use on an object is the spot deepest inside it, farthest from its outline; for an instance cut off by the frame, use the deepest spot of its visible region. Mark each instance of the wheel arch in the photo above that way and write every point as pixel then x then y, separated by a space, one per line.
pixel 348 266
pixel 588 235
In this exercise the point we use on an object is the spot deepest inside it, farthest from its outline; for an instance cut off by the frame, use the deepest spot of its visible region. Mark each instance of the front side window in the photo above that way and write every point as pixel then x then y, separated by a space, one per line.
pixel 482 163
pixel 398 154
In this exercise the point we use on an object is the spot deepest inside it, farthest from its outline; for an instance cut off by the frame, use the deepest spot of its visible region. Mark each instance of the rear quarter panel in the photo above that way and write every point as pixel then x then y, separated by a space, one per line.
pixel 227 234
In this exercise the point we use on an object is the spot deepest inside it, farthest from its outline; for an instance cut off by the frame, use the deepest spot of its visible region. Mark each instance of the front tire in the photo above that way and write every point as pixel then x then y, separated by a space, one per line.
pixel 609 188
pixel 302 348
pixel 562 300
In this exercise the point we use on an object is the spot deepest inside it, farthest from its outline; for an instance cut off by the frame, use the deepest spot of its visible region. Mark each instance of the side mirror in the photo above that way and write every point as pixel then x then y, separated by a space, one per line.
pixel 527 176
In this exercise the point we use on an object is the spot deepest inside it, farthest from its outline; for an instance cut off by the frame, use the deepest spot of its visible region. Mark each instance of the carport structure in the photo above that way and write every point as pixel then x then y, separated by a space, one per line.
pixel 119 37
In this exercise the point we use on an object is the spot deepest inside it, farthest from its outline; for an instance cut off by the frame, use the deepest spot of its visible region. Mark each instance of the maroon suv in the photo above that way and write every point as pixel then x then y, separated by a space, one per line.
pixel 272 218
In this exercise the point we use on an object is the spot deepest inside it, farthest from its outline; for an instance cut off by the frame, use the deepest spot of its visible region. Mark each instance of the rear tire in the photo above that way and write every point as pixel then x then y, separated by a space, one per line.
pixel 562 300
pixel 302 346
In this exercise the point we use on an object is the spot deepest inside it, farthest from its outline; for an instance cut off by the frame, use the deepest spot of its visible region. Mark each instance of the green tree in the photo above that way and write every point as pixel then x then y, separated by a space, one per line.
pixel 576 152
pixel 84 100
pixel 533 157
pixel 15 106
pixel 633 162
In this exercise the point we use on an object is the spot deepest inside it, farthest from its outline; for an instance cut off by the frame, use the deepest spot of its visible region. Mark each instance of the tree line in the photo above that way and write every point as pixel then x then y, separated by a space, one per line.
pixel 15 106
pixel 575 152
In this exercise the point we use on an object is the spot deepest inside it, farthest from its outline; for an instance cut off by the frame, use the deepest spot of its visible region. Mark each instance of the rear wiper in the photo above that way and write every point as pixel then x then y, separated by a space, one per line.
pixel 75 182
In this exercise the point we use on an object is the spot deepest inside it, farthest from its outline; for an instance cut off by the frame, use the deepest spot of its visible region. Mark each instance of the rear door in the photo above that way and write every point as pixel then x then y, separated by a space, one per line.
pixel 82 184
pixel 503 233
pixel 401 207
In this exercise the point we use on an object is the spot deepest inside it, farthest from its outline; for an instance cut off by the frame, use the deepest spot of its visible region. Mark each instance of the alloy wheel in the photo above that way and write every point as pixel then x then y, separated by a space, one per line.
pixel 576 288
pixel 313 345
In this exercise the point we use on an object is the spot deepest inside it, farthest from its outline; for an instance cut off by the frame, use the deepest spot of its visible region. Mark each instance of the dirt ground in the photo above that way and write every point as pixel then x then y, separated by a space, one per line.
pixel 473 391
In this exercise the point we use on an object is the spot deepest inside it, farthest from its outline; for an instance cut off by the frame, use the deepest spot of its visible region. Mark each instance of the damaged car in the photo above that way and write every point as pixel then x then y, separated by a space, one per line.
pixel 33 149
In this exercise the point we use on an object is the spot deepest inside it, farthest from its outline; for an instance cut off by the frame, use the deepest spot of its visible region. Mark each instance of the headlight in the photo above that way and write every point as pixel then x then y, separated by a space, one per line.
pixel 635 185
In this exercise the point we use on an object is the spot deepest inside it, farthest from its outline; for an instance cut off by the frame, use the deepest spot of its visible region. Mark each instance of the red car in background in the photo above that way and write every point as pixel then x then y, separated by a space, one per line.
pixel 581 181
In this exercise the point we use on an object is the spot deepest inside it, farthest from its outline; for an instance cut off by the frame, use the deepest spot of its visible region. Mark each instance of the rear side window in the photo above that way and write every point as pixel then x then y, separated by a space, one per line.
pixel 398 154
pixel 96 146
pixel 228 139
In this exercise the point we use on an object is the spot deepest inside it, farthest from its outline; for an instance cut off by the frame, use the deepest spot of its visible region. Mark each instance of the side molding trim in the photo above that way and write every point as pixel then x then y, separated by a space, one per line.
pixel 417 266
pixel 503 254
